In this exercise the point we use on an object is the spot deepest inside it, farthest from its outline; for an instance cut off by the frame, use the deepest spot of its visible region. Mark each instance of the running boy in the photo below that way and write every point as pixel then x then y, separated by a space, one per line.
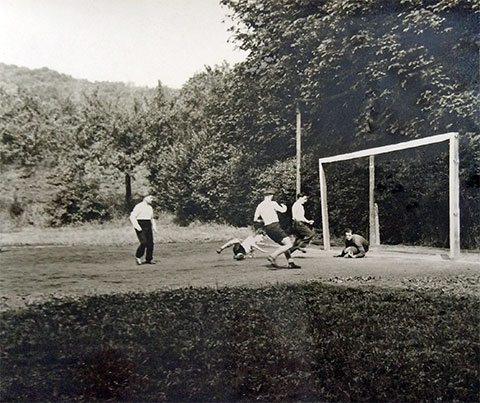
pixel 303 234
pixel 266 211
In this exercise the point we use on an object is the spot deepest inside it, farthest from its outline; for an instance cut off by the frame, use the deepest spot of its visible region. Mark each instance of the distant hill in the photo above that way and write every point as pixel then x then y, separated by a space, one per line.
pixel 46 83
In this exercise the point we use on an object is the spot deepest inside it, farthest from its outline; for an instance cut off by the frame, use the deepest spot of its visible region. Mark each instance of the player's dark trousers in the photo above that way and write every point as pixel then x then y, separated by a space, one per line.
pixel 145 237
pixel 277 234
pixel 303 235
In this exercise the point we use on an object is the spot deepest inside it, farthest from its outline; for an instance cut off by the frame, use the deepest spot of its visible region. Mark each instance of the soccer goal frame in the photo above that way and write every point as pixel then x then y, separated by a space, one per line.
pixel 454 185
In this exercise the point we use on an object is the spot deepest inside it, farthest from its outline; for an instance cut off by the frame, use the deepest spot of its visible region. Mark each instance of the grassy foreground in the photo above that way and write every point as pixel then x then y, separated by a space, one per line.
pixel 305 342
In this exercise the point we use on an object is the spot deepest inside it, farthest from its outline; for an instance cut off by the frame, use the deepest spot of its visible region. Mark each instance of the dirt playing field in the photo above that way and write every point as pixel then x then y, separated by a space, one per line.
pixel 33 274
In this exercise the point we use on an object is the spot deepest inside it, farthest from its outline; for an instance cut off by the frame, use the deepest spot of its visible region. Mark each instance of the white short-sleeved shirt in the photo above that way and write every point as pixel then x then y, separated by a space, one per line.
pixel 142 211
pixel 298 212
pixel 267 210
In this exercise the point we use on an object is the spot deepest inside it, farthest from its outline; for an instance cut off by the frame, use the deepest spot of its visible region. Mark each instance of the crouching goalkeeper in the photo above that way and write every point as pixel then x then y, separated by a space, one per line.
pixel 356 246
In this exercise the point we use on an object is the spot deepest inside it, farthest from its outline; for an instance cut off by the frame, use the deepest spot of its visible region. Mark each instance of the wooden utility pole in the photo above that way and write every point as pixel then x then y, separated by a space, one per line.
pixel 299 145
pixel 454 197
pixel 298 113
pixel 371 202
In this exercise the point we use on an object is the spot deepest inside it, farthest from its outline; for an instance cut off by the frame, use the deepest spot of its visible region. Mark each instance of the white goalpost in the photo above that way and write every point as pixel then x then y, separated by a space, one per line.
pixel 454 185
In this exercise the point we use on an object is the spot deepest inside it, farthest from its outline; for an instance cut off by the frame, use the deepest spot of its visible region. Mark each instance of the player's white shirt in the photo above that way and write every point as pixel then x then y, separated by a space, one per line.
pixel 298 212
pixel 249 243
pixel 142 211
pixel 267 210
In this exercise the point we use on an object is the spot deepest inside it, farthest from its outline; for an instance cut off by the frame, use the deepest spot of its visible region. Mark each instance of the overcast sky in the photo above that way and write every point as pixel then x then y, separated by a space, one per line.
pixel 136 41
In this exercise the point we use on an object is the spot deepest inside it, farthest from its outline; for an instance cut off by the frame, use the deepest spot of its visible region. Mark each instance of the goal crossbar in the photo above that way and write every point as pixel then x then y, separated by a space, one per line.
pixel 387 149
pixel 454 182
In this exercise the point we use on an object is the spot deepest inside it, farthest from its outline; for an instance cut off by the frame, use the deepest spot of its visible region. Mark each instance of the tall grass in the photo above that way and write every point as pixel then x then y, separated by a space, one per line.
pixel 119 232
pixel 305 342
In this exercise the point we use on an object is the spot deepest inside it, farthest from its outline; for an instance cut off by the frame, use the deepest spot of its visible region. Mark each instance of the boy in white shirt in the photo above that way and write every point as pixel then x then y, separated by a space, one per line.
pixel 244 248
pixel 266 211
pixel 303 234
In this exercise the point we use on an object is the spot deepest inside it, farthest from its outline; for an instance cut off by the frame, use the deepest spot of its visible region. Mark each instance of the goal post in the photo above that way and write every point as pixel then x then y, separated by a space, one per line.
pixel 454 182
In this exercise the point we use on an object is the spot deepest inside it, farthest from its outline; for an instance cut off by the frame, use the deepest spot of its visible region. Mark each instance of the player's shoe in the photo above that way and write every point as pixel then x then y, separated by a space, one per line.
pixel 272 261
pixel 292 265
pixel 219 250
pixel 239 256
pixel 151 262
pixel 138 260
pixel 303 250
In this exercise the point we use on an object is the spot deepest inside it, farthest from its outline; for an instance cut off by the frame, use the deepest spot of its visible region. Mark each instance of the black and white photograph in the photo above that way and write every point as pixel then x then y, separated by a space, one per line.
pixel 240 201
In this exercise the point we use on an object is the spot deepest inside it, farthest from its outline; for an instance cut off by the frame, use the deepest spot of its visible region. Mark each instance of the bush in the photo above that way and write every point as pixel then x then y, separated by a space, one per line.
pixel 16 209
pixel 78 198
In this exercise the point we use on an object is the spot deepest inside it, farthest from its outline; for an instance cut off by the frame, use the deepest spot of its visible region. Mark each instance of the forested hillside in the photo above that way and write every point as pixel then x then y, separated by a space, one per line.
pixel 367 73
pixel 68 145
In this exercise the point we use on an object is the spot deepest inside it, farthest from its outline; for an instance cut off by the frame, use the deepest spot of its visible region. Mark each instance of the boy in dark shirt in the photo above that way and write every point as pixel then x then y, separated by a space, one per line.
pixel 356 246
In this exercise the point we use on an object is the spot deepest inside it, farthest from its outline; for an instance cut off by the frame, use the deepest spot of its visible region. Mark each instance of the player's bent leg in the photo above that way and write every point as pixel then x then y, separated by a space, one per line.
pixel 306 235
pixel 296 244
pixel 288 246
pixel 286 243
pixel 307 239
pixel 149 254
pixel 150 245
pixel 350 251
pixel 231 242
pixel 303 236
pixel 141 248
pixel 278 235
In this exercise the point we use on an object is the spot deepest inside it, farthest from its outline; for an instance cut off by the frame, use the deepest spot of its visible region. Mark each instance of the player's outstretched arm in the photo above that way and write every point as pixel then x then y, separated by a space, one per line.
pixel 281 208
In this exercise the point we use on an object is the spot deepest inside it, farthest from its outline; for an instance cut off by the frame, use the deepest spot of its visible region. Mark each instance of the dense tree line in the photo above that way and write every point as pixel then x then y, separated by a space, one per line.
pixel 364 74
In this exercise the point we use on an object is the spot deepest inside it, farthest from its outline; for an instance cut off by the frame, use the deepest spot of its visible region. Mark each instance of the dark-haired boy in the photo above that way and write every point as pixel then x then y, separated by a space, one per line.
pixel 303 233
pixel 356 246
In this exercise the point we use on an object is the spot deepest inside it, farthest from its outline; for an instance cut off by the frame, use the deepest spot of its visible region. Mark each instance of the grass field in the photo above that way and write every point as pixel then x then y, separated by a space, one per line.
pixel 81 322
pixel 117 233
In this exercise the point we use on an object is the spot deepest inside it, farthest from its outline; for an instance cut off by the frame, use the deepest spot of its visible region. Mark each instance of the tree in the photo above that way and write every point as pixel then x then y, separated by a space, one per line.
pixel 127 142
pixel 33 131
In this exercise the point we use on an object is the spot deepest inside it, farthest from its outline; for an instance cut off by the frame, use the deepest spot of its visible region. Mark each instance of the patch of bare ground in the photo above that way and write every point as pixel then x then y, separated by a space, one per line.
pixel 31 275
